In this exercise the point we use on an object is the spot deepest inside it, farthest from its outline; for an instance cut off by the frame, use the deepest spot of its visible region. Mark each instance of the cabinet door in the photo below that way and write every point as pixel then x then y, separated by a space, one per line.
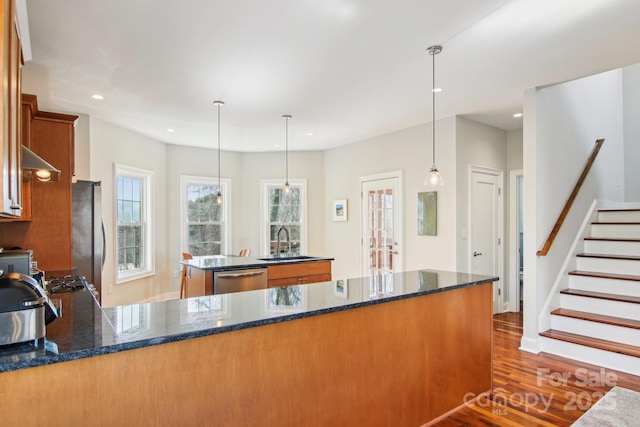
pixel 11 64
pixel 298 273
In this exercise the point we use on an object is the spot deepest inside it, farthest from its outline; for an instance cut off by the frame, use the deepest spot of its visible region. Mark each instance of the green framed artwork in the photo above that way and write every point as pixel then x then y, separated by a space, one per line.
pixel 428 213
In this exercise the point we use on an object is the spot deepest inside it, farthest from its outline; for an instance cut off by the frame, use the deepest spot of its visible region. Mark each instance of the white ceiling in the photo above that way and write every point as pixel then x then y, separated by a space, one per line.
pixel 346 70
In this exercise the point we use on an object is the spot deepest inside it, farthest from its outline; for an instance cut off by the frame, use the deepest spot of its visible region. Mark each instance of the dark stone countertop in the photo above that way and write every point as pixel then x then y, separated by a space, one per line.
pixel 86 330
pixel 232 262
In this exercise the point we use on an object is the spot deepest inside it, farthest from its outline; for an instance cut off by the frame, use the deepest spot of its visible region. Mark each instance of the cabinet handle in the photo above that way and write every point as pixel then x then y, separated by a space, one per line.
pixel 15 205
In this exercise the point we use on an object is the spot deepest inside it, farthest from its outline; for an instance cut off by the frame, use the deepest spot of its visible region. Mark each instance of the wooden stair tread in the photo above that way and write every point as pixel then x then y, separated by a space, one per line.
pixel 599 318
pixel 607 256
pixel 601 295
pixel 614 223
pixel 605 275
pixel 611 239
pixel 612 346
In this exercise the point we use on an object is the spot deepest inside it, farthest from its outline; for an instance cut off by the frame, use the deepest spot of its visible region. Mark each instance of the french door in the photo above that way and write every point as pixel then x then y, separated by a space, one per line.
pixel 381 224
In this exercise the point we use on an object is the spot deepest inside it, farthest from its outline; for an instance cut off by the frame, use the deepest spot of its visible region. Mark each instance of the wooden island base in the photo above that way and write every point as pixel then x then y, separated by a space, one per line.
pixel 399 363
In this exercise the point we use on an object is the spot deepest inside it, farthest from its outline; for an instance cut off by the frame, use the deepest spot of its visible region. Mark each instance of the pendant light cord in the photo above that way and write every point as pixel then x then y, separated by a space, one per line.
pixel 219 180
pixel 219 195
pixel 287 147
pixel 286 151
pixel 433 108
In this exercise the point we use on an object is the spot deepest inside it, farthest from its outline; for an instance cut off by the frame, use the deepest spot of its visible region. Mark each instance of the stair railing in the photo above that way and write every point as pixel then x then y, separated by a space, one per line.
pixel 572 198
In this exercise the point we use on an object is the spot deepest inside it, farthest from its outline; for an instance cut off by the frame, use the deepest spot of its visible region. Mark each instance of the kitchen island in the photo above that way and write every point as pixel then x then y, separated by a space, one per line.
pixel 398 349
pixel 217 274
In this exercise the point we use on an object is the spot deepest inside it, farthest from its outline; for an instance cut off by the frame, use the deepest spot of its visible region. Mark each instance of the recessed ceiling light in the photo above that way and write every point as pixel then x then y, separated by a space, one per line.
pixel 436 90
pixel 277 145
pixel 171 130
pixel 310 134
pixel 516 115
pixel 97 96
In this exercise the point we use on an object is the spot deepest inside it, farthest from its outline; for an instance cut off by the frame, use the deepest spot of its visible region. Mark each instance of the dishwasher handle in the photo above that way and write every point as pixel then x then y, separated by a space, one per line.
pixel 239 275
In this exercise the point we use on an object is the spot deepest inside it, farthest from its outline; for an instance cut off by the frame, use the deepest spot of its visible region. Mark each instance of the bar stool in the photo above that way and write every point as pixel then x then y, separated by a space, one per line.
pixel 185 280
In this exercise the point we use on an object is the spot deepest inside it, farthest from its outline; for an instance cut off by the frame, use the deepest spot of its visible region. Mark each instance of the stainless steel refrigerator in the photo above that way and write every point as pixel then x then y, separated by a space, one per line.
pixel 88 232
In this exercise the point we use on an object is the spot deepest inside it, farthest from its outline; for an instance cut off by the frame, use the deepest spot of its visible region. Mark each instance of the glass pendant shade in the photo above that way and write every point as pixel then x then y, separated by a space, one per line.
pixel 434 179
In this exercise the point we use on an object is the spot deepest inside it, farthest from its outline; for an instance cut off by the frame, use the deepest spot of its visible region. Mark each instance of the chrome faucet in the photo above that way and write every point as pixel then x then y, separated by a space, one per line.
pixel 286 231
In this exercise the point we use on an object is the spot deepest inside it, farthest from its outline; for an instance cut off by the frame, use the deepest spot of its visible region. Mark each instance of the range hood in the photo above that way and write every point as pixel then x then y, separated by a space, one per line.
pixel 35 167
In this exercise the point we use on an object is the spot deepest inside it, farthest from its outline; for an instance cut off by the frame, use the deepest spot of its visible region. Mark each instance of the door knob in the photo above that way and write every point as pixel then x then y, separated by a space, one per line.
pixel 476 253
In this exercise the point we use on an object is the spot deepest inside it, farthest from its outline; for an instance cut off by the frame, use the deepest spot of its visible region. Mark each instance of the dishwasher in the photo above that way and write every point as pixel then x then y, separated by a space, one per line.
pixel 225 282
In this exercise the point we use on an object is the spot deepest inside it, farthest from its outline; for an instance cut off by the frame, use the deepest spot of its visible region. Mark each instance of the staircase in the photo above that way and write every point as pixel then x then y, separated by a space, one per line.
pixel 598 320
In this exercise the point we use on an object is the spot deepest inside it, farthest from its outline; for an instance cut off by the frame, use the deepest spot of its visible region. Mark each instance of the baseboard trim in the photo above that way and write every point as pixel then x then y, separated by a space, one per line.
pixel 530 345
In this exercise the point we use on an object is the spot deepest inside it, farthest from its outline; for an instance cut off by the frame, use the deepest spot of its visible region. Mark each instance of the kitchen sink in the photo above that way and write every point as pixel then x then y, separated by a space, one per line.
pixel 287 258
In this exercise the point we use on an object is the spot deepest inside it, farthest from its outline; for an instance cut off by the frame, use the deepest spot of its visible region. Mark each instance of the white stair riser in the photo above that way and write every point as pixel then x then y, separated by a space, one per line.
pixel 596 330
pixel 611 248
pixel 601 306
pixel 619 216
pixel 610 286
pixel 594 356
pixel 607 265
pixel 612 231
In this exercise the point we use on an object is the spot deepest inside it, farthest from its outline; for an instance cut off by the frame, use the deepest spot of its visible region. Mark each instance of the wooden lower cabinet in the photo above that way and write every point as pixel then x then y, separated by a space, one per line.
pixel 298 273
pixel 199 282
pixel 399 363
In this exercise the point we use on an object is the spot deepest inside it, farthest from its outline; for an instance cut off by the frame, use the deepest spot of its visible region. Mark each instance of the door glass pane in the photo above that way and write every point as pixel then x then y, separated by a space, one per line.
pixel 380 229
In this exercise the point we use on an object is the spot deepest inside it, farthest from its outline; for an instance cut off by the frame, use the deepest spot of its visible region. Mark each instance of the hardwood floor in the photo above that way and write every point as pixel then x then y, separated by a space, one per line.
pixel 536 389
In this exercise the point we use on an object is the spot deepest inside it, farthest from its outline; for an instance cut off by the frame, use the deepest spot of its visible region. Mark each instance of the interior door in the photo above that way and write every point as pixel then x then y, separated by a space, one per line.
pixel 485 224
pixel 382 231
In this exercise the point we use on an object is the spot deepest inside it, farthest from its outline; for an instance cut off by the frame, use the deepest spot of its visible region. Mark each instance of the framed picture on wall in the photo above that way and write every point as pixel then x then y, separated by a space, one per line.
pixel 340 210
pixel 428 213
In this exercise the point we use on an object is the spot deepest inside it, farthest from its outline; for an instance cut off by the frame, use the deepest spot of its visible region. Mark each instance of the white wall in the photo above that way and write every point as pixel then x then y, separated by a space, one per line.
pixel 514 149
pixel 408 150
pixel 631 99
pixel 110 145
pixel 514 162
pixel 477 144
pixel 82 148
pixel 562 123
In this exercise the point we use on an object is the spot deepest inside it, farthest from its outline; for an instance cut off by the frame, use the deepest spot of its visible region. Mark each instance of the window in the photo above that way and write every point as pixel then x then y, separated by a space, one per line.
pixel 206 228
pixel 134 223
pixel 285 214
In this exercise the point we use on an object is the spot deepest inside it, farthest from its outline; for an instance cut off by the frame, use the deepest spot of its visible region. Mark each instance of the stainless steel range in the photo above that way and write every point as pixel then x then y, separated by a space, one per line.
pixel 68 283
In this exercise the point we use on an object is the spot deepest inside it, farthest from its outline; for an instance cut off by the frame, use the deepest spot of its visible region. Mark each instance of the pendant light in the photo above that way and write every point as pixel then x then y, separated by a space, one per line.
pixel 287 187
pixel 219 104
pixel 434 179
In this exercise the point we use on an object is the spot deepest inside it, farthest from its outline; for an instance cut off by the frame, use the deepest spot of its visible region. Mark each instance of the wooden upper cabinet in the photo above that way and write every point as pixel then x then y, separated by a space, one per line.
pixel 48 205
pixel 10 112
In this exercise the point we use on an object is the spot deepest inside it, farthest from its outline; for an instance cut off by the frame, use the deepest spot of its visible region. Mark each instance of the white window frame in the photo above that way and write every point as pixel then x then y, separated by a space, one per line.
pixel 148 210
pixel 225 189
pixel 265 184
